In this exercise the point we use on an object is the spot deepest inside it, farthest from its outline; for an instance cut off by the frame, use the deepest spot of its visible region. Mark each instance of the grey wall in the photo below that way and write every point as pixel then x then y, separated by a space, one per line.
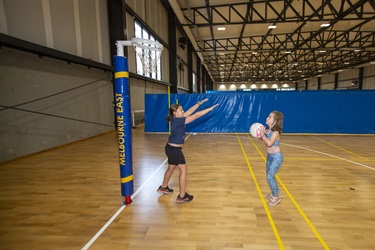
pixel 47 103
pixel 78 27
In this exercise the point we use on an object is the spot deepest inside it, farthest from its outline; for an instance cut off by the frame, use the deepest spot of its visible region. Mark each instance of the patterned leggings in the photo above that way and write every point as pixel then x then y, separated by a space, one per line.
pixel 273 164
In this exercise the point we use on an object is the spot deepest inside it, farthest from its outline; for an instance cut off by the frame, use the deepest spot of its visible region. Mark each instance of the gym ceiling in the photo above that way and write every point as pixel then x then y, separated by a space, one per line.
pixel 278 40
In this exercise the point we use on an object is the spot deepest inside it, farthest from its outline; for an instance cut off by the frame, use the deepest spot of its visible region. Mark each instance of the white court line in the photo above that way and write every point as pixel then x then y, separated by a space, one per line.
pixel 96 236
pixel 329 155
pixel 93 239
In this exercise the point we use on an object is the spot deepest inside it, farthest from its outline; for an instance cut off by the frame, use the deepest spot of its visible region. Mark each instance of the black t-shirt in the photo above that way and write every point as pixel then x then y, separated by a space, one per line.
pixel 178 129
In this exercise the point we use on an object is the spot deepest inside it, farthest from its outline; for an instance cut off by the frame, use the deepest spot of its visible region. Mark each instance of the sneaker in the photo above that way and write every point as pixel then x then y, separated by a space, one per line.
pixel 186 198
pixel 165 190
pixel 274 201
pixel 269 196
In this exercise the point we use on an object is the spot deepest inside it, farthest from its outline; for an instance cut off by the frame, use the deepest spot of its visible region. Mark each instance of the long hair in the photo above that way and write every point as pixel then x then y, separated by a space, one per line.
pixel 279 120
pixel 172 111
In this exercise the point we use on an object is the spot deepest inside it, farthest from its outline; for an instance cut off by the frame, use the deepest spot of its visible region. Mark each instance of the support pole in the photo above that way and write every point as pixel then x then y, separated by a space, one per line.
pixel 123 114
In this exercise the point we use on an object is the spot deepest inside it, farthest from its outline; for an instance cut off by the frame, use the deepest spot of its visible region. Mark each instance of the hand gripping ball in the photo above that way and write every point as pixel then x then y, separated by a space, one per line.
pixel 255 129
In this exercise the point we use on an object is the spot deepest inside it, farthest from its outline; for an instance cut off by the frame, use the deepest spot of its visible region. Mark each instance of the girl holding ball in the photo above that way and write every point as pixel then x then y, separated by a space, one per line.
pixel 271 138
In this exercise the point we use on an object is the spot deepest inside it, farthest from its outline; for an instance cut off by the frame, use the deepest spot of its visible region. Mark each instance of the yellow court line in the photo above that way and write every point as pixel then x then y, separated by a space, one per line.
pixel 261 196
pixel 294 202
pixel 340 148
pixel 303 215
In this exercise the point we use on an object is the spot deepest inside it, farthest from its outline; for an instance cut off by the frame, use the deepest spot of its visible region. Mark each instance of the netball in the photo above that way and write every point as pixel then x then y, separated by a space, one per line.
pixel 255 129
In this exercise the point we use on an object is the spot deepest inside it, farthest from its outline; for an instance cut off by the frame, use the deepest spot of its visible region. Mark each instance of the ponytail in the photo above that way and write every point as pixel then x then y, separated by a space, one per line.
pixel 168 118
pixel 172 110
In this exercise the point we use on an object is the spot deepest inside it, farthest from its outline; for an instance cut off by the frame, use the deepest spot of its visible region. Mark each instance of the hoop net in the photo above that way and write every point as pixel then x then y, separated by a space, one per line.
pixel 149 53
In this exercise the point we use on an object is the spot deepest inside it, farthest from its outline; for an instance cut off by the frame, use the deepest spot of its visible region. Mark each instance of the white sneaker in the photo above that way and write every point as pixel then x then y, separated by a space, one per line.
pixel 274 201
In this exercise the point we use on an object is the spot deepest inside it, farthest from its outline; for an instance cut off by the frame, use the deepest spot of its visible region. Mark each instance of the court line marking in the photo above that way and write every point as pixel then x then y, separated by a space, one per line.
pixel 97 235
pixel 303 214
pixel 294 201
pixel 106 225
pixel 274 229
pixel 339 147
pixel 333 156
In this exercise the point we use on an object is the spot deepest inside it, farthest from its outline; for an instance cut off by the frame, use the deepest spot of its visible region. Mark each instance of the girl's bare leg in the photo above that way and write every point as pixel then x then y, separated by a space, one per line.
pixel 167 175
pixel 183 174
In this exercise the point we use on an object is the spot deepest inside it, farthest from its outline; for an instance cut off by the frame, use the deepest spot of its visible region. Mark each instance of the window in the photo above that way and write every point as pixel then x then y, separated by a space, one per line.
pixel 194 83
pixel 141 32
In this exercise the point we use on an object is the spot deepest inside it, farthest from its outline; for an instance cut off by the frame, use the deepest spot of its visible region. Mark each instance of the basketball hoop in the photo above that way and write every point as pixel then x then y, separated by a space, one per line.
pixel 148 51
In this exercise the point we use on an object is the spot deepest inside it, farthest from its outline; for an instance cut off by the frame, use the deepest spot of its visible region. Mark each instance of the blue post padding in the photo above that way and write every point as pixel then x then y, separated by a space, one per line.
pixel 120 64
pixel 123 114
pixel 127 188
pixel 309 111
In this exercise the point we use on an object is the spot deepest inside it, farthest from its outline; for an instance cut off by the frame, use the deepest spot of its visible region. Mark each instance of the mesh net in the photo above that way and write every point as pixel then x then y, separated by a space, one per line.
pixel 149 53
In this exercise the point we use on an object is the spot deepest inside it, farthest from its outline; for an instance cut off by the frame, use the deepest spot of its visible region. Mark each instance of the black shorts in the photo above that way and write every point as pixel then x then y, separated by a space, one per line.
pixel 175 155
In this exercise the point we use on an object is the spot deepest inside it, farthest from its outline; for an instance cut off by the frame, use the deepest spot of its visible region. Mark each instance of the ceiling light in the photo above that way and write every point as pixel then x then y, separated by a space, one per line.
pixel 285 85
pixel 287 52
pixel 322 51
pixel 221 53
pixel 272 27
pixel 254 53
pixel 221 28
pixel 325 25
pixel 357 50
pixel 264 86
pixel 253 86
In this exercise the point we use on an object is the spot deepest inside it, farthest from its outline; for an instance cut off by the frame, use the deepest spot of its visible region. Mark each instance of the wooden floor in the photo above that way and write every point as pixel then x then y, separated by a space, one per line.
pixel 61 199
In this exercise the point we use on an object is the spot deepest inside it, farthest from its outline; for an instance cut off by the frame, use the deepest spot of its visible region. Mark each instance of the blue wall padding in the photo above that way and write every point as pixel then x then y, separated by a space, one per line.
pixel 316 111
